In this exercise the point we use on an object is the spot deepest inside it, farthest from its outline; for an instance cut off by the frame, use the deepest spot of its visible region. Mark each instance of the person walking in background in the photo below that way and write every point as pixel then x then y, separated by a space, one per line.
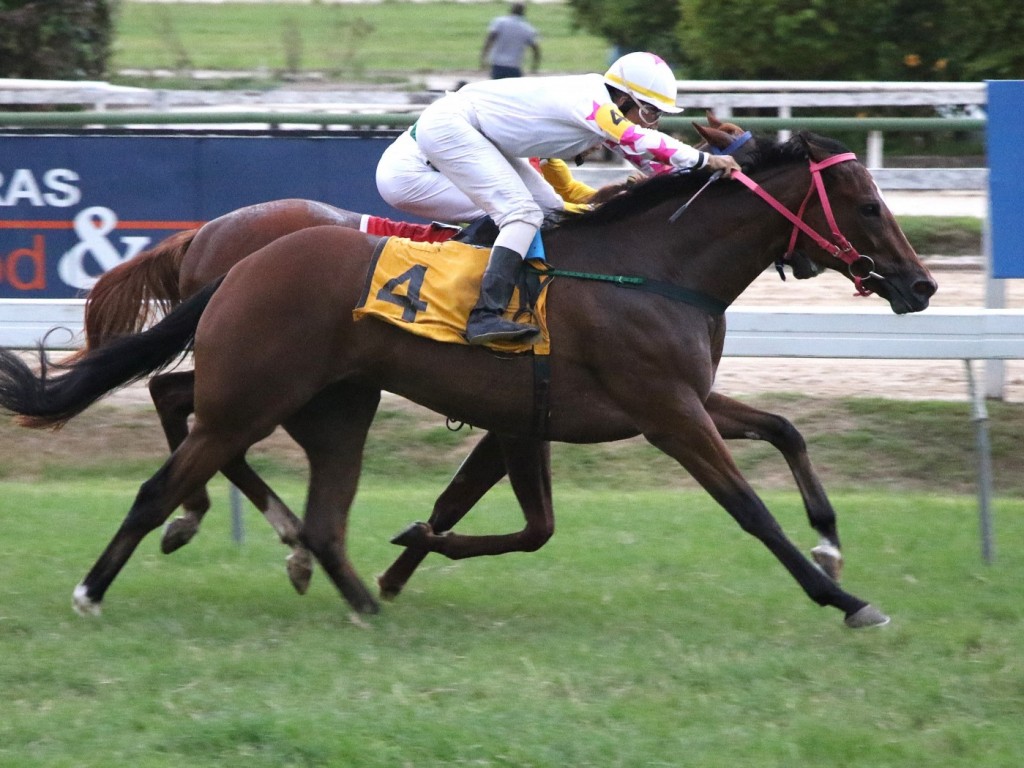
pixel 508 37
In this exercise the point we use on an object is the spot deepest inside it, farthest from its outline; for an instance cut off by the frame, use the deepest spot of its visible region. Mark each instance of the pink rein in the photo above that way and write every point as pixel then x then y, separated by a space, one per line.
pixel 838 246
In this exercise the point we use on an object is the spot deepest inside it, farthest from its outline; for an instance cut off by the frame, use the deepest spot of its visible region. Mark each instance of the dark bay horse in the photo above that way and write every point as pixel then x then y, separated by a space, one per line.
pixel 124 299
pixel 275 343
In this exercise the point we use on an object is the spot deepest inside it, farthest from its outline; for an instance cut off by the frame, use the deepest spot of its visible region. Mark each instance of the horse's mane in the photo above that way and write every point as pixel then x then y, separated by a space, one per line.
pixel 766 154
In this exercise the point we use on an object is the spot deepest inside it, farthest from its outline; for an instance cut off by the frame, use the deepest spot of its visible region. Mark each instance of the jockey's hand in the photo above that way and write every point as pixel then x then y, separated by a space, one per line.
pixel 725 163
pixel 578 207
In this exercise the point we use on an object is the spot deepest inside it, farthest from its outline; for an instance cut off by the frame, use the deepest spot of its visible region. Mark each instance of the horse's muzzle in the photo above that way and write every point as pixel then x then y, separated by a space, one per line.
pixel 904 295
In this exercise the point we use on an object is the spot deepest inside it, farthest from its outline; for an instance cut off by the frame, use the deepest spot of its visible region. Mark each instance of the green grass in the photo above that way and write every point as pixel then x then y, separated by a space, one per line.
pixel 649 632
pixel 382 42
pixel 949 236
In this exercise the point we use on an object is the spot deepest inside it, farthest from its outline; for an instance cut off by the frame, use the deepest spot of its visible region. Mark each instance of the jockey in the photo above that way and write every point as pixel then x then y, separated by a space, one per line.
pixel 475 139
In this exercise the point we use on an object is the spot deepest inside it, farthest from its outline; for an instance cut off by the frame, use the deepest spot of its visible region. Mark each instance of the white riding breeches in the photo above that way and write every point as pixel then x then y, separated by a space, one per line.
pixel 451 172
pixel 409 183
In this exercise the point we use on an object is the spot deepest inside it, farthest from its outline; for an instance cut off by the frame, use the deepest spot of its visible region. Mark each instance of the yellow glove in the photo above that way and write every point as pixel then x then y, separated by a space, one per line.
pixel 556 172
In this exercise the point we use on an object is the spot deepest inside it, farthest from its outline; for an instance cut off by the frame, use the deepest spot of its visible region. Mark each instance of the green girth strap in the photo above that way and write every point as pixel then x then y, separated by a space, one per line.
pixel 697 299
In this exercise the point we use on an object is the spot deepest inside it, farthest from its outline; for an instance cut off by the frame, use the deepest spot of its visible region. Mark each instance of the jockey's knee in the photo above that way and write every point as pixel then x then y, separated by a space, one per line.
pixel 518 229
pixel 527 213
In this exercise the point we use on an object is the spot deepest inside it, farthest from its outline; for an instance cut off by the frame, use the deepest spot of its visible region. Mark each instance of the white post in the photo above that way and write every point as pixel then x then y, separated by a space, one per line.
pixel 785 111
pixel 237 524
pixel 876 145
pixel 979 415
pixel 995 298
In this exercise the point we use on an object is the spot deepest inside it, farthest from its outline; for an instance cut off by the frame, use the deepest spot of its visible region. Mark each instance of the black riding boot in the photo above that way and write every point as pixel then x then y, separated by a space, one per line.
pixel 486 323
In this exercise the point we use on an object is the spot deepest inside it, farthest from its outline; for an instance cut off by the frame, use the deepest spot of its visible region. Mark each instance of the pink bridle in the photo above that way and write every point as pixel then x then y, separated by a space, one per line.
pixel 838 246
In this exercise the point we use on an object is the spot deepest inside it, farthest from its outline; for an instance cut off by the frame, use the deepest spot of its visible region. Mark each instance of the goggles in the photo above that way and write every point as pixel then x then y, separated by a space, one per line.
pixel 648 113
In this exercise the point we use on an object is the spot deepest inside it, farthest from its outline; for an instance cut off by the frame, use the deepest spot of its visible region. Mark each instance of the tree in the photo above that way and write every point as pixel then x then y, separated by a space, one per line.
pixel 787 40
pixel 983 40
pixel 58 39
pixel 632 25
pixel 818 39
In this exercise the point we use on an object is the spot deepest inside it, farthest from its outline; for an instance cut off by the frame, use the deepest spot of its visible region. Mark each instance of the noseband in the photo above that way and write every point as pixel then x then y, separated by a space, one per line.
pixel 859 266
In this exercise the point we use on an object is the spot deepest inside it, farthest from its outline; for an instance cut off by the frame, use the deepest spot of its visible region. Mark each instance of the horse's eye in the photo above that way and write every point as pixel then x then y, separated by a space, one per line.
pixel 871 209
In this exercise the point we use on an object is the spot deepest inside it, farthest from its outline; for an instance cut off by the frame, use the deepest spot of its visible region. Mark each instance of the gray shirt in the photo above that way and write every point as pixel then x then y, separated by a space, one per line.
pixel 512 34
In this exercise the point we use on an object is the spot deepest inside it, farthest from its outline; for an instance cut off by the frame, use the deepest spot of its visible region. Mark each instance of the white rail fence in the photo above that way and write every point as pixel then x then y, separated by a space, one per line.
pixel 964 333
pixel 725 97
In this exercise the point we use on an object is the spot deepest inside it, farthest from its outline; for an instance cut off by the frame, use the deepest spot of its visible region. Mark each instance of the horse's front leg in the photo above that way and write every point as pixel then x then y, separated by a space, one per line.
pixel 528 462
pixel 691 438
pixel 479 472
pixel 738 421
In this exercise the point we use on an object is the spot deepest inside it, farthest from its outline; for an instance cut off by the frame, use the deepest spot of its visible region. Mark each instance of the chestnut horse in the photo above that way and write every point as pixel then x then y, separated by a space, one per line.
pixel 123 300
pixel 275 342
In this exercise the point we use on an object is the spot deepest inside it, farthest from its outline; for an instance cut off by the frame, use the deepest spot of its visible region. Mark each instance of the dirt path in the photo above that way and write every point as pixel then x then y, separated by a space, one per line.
pixel 901 379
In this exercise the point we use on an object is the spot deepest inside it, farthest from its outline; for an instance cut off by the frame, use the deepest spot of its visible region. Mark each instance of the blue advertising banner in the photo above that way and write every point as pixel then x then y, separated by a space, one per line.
pixel 1005 142
pixel 72 207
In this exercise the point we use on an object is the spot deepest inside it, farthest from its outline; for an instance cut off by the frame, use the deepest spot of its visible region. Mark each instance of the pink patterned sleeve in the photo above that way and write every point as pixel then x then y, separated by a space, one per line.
pixel 645 148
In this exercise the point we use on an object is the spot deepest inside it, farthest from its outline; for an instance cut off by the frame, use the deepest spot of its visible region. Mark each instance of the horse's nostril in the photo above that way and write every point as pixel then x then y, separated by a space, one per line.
pixel 925 288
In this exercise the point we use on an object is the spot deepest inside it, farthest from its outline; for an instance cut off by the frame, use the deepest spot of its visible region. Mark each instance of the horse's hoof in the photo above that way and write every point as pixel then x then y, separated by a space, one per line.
pixel 83 604
pixel 363 603
pixel 829 559
pixel 868 616
pixel 369 608
pixel 413 536
pixel 388 591
pixel 300 569
pixel 178 533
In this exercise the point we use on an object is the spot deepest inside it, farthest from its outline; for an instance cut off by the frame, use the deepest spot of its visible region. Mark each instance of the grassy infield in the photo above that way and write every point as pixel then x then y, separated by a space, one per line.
pixel 387 42
pixel 649 632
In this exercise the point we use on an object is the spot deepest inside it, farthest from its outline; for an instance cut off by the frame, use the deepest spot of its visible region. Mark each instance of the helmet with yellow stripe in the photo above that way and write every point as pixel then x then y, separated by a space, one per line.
pixel 646 78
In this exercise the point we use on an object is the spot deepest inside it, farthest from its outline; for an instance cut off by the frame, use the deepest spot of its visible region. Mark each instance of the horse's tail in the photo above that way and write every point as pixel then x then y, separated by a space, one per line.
pixel 125 299
pixel 49 401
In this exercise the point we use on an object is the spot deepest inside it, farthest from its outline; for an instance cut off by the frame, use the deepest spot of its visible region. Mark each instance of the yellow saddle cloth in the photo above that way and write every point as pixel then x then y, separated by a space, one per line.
pixel 429 289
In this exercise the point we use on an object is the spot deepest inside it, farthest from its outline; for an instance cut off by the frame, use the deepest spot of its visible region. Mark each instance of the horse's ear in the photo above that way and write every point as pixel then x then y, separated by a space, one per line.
pixel 714 137
pixel 713 121
pixel 812 143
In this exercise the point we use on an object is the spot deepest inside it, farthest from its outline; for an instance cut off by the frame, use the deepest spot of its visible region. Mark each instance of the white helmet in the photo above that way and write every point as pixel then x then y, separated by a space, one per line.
pixel 645 77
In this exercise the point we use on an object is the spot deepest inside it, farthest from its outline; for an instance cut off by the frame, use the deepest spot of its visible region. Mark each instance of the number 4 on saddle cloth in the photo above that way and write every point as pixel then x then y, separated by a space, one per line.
pixel 429 289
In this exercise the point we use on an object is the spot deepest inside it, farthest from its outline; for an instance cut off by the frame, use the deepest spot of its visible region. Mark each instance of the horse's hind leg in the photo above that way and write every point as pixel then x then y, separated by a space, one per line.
pixel 528 465
pixel 738 421
pixel 332 431
pixel 480 471
pixel 192 465
pixel 173 397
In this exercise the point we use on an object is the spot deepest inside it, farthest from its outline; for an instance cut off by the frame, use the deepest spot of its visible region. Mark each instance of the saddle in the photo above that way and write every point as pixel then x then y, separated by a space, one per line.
pixel 428 289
